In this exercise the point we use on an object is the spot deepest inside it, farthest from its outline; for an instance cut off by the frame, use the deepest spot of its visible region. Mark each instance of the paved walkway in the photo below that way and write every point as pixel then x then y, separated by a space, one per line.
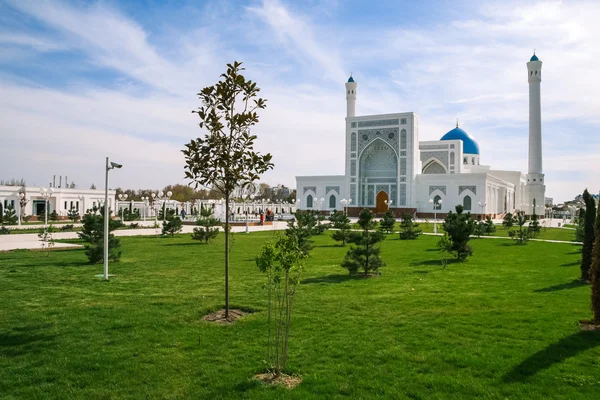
pixel 33 242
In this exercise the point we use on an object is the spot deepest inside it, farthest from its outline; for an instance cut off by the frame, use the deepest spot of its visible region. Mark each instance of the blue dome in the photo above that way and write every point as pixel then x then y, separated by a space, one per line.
pixel 351 79
pixel 469 144
pixel 534 58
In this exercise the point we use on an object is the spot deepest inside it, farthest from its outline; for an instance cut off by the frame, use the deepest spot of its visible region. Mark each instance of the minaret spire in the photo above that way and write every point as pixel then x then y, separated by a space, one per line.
pixel 457 122
pixel 536 188
pixel 351 97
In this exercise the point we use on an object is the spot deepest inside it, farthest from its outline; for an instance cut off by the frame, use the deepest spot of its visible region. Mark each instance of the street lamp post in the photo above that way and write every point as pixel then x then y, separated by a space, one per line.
pixel 145 201
pixel 81 205
pixel 435 207
pixel 251 198
pixel 109 165
pixel 46 194
pixel 482 205
pixel 21 197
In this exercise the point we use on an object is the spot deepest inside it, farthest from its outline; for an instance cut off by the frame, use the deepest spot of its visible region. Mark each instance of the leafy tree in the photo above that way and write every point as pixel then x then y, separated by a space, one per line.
pixel 131 214
pixel 303 227
pixel 459 228
pixel 365 256
pixel 490 228
pixel 10 216
pixel 283 264
pixel 341 223
pixel 387 223
pixel 534 225
pixel 523 234
pixel 445 247
pixel 173 225
pixel 73 215
pixel 165 213
pixel 509 221
pixel 93 233
pixel 207 226
pixel 595 270
pixel 225 158
pixel 409 229
pixel 588 238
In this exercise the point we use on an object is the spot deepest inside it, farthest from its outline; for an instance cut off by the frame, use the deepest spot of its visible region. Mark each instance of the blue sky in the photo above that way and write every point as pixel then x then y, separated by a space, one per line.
pixel 80 80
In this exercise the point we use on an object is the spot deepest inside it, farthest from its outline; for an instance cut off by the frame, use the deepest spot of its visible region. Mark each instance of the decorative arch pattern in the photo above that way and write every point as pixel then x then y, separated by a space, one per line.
pixel 433 166
pixel 309 201
pixel 353 141
pixel 436 202
pixel 467 201
pixel 332 201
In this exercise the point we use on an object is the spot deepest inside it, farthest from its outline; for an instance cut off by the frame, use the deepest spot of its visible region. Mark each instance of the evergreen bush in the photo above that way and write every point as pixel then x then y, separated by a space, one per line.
pixel 459 227
pixel 341 223
pixel 386 225
pixel 207 228
pixel 365 254
pixel 409 229
pixel 588 238
pixel 93 233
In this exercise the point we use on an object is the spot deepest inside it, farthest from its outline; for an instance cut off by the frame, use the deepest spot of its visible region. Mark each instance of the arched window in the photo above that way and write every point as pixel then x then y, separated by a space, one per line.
pixel 332 201
pixel 465 160
pixel 467 203
pixel 309 201
pixel 451 158
pixel 353 141
pixel 436 202
pixel 473 160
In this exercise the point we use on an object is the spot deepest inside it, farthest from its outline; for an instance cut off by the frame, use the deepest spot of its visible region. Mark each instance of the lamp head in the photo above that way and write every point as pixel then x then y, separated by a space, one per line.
pixel 115 165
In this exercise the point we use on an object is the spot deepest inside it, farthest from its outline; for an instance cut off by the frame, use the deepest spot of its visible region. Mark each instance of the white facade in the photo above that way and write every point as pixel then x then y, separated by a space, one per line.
pixel 61 200
pixel 386 166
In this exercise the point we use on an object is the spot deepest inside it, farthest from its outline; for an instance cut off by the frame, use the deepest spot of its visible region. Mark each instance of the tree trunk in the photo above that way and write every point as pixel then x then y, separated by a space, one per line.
pixel 226 255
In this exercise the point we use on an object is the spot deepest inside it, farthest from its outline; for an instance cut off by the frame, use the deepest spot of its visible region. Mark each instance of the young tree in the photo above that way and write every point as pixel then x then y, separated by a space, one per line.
pixel 173 225
pixel 409 229
pixel 365 255
pixel 73 214
pixel 595 271
pixel 480 227
pixel 490 228
pixel 10 216
pixel 93 233
pixel 459 228
pixel 509 221
pixel 207 226
pixel 534 225
pixel 341 223
pixel 523 234
pixel 387 223
pixel 283 264
pixel 225 158
pixel 303 227
pixel 53 216
pixel 588 238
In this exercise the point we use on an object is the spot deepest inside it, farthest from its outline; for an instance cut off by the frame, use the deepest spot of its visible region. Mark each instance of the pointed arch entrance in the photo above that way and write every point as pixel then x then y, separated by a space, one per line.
pixel 381 203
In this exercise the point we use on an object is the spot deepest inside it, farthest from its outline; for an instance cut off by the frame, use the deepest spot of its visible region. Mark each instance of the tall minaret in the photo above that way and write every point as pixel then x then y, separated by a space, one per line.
pixel 350 97
pixel 535 176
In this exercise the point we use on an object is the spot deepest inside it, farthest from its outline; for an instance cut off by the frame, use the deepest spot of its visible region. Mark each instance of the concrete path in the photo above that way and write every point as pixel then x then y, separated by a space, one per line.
pixel 33 242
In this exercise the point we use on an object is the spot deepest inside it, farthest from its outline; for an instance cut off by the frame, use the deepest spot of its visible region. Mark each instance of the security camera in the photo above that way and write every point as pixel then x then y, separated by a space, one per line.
pixel 115 165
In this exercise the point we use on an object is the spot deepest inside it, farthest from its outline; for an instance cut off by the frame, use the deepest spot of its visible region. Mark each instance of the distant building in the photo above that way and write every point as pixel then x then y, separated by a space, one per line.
pixel 549 201
pixel 61 200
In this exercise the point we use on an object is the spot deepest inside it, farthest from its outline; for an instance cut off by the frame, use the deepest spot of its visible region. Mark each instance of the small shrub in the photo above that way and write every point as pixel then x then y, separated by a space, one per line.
pixel 207 226
pixel 490 228
pixel 172 226
pixel 365 256
pixel 9 216
pixel 93 233
pixel 73 215
pixel 387 223
pixel 523 234
pixel 534 225
pixel 341 223
pixel 4 230
pixel 53 216
pixel 67 227
pixel 133 225
pixel 459 228
pixel 508 221
pixel 409 229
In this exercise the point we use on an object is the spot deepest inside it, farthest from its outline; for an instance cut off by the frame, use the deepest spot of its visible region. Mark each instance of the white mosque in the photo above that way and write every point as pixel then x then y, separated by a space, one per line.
pixel 387 167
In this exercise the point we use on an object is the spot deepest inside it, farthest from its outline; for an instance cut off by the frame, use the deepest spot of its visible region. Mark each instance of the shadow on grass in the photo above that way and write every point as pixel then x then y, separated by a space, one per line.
pixel 437 262
pixel 24 340
pixel 574 263
pixel 565 348
pixel 50 262
pixel 331 245
pixel 569 285
pixel 328 279
pixel 185 244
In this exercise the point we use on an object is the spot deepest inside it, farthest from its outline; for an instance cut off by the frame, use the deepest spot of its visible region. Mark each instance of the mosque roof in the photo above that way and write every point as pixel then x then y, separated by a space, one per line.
pixel 470 146
pixel 351 79
pixel 534 58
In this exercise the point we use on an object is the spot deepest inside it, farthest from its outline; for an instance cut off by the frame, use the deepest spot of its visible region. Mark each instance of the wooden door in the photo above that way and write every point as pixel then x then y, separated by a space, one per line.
pixel 381 202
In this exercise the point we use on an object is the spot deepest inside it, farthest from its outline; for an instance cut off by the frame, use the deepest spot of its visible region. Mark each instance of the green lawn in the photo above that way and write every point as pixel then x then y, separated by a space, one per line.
pixel 567 235
pixel 501 325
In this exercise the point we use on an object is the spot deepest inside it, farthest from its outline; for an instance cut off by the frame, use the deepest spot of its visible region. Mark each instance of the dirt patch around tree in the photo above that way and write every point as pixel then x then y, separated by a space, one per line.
pixel 288 381
pixel 219 316
pixel 588 325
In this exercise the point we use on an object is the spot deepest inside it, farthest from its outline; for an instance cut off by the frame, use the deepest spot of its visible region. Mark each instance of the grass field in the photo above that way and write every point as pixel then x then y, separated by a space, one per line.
pixel 501 325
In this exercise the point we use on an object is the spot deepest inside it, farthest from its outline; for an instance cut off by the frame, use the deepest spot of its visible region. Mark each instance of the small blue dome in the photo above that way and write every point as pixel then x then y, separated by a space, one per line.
pixel 351 79
pixel 534 58
pixel 469 144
